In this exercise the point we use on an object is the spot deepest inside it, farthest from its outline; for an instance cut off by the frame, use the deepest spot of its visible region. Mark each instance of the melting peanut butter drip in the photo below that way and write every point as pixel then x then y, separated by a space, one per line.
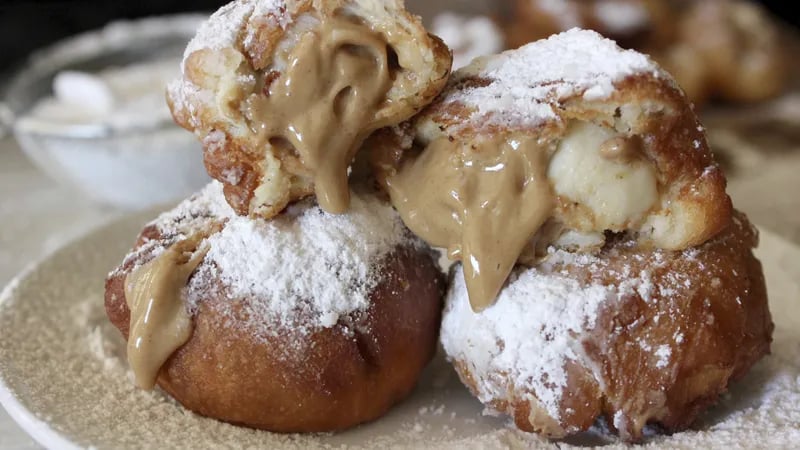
pixel 159 322
pixel 325 102
pixel 483 201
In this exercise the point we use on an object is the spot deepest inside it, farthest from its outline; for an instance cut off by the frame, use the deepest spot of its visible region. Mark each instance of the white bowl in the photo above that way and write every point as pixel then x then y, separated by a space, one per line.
pixel 132 168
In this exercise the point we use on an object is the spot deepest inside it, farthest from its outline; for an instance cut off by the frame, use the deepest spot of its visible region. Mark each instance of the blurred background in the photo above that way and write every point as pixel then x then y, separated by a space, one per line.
pixel 26 25
pixel 86 137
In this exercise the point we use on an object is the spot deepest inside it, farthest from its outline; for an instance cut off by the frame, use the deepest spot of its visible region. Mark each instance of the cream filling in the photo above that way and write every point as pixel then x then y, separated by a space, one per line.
pixel 488 201
pixel 619 189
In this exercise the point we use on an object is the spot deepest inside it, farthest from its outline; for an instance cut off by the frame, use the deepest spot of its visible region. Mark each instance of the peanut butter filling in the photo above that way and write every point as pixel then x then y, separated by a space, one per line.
pixel 487 201
pixel 159 323
pixel 325 102
pixel 483 201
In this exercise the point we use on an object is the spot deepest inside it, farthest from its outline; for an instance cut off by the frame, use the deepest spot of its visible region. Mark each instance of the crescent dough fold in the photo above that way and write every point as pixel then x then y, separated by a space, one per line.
pixel 283 92
pixel 559 142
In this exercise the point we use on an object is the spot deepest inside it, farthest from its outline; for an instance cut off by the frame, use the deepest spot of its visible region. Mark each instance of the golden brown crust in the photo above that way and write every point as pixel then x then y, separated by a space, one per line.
pixel 218 81
pixel 717 325
pixel 348 374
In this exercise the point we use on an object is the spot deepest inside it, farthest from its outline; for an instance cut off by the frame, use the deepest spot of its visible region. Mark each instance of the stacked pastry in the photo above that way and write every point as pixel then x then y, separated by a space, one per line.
pixel 603 271
pixel 725 49
pixel 252 302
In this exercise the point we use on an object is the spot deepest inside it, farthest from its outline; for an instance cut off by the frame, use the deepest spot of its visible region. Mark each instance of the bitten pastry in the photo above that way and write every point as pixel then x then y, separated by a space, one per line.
pixel 638 336
pixel 283 92
pixel 309 322
pixel 552 144
pixel 725 49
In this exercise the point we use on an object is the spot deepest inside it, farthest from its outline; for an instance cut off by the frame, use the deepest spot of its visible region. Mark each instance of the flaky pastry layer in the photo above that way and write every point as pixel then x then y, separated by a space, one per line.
pixel 235 58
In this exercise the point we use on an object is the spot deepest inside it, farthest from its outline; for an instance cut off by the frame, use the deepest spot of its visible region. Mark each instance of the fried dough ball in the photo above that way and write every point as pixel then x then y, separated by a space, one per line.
pixel 282 93
pixel 309 322
pixel 638 336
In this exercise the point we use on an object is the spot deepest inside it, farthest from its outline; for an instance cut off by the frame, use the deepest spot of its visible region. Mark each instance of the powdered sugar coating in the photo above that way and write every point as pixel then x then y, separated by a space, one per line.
pixel 222 29
pixel 529 334
pixel 191 215
pixel 305 266
pixel 662 312
pixel 526 84
pixel 543 316
pixel 304 269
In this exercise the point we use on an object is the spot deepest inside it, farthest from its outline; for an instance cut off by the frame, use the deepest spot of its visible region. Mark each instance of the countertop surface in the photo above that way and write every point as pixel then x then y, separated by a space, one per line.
pixel 37 216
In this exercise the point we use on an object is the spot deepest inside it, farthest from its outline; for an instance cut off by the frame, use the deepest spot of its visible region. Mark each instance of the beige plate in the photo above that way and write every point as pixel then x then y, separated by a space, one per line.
pixel 64 379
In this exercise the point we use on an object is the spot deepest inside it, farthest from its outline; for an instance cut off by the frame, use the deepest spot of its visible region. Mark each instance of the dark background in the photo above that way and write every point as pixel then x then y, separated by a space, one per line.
pixel 28 24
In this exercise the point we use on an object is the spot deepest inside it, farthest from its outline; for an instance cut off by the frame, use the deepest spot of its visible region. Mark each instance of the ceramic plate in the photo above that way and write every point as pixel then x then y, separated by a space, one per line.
pixel 65 380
